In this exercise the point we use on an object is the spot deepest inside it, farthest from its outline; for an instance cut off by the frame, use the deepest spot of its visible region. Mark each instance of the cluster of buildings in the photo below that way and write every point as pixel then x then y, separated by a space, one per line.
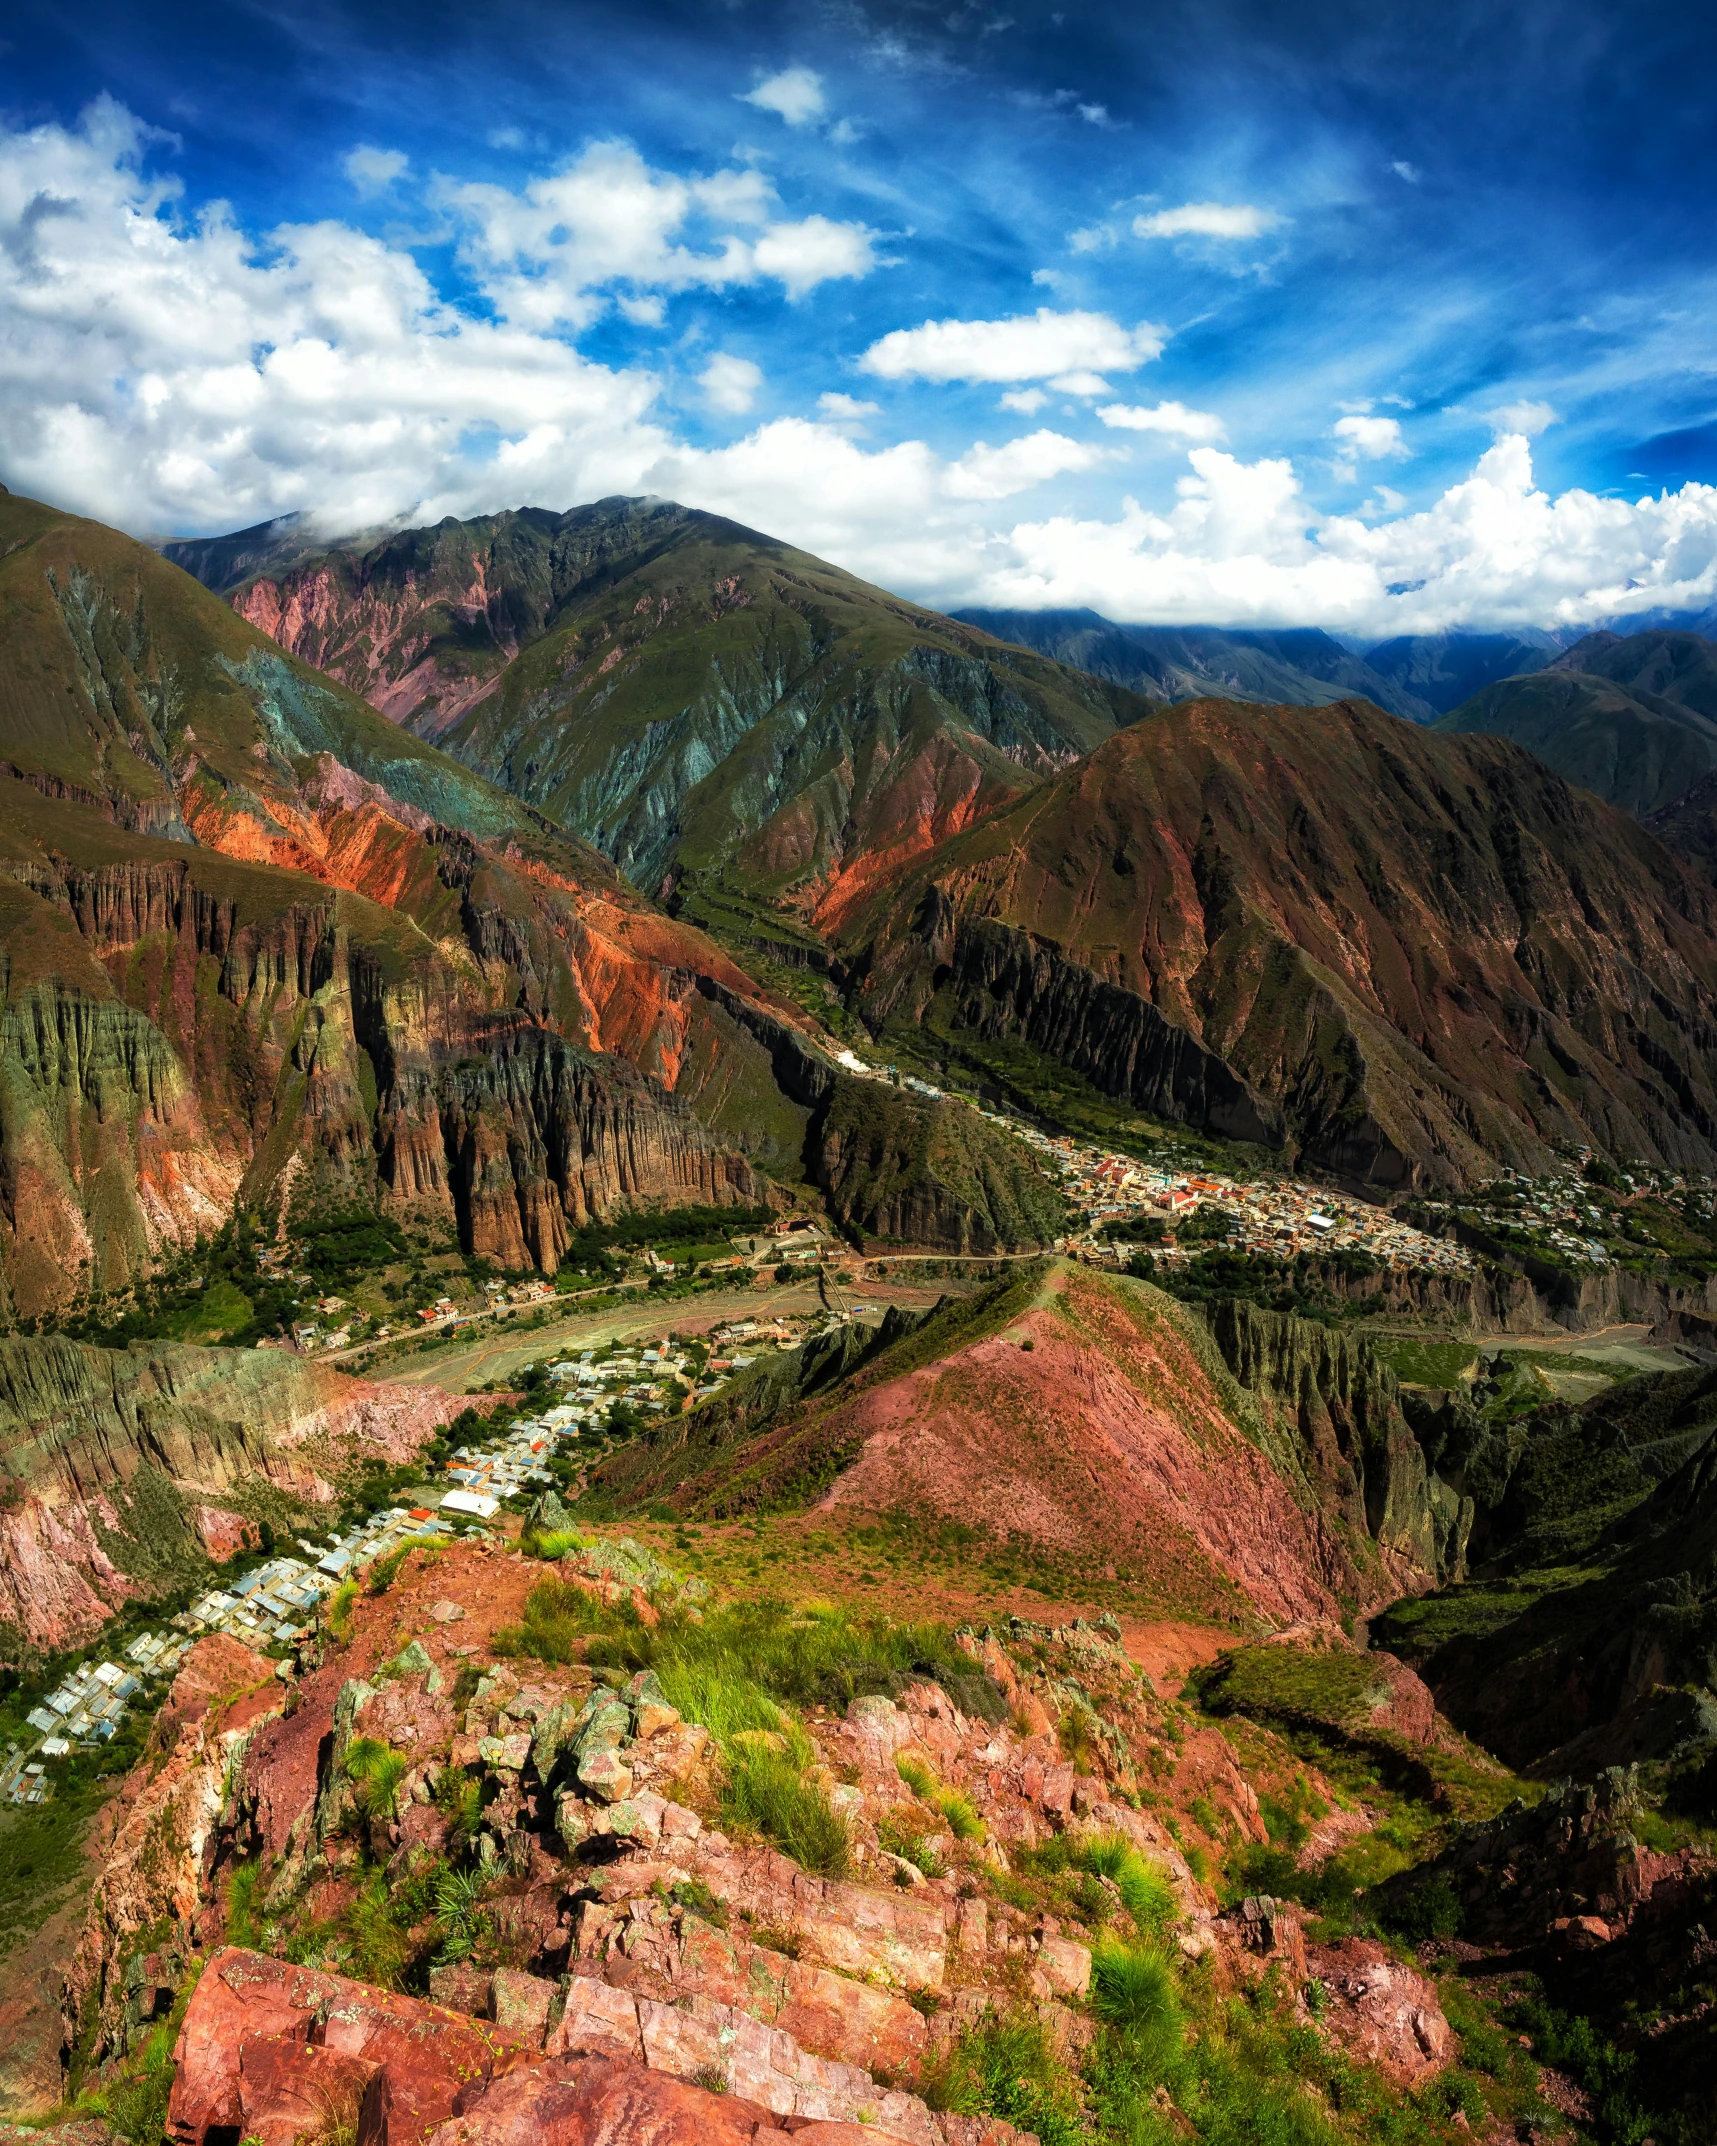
pixel 1574 1220
pixel 272 1605
pixel 1274 1216
pixel 84 1710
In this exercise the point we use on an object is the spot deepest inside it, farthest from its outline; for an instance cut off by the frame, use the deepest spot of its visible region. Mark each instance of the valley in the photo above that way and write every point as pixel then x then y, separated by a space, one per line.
pixel 778 1362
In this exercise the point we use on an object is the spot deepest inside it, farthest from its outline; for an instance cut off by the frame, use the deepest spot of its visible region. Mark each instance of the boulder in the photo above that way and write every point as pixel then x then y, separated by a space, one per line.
pixel 1064 1966
pixel 1381 2012
pixel 520 2004
pixel 287 2088
pixel 605 1775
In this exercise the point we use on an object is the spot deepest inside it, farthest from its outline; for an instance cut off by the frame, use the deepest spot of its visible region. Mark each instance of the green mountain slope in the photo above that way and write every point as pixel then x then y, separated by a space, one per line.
pixel 1633 719
pixel 705 704
pixel 1445 669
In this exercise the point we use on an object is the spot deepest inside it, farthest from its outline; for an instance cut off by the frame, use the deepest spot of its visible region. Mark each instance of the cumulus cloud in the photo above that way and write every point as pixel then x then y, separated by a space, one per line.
pixel 164 373
pixel 169 371
pixel 1207 219
pixel 1172 418
pixel 985 472
pixel 731 384
pixel 1373 437
pixel 1527 418
pixel 846 409
pixel 1241 546
pixel 548 254
pixel 1026 400
pixel 795 95
pixel 370 170
pixel 1030 346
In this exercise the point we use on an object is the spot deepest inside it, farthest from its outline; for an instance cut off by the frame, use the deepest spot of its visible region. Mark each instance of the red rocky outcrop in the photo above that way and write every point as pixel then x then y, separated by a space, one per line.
pixel 266 2046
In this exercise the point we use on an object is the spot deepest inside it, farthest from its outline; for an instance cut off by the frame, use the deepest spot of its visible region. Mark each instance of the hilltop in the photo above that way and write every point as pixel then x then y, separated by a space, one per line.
pixel 710 707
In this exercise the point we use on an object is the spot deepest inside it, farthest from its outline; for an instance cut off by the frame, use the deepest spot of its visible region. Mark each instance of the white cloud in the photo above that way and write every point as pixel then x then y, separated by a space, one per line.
pixel 1526 418
pixel 170 372
pixel 846 409
pixel 731 384
pixel 795 95
pixel 547 255
pixel 1031 346
pixel 1410 172
pixel 1027 400
pixel 1094 115
pixel 1092 238
pixel 802 255
pixel 1172 418
pixel 370 170
pixel 985 472
pixel 1373 437
pixel 1207 219
pixel 1241 546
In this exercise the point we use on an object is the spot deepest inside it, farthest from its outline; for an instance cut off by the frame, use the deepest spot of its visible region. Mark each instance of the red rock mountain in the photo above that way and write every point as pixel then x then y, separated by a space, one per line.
pixel 257 943
pixel 1403 955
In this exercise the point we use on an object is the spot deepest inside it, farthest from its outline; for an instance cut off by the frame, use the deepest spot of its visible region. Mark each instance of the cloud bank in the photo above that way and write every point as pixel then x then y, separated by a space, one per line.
pixel 170 372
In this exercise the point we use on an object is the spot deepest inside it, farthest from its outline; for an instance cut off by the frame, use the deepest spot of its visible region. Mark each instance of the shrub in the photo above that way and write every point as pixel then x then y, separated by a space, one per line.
pixel 341 1605
pixel 386 1568
pixel 465 1921
pixel 1432 1908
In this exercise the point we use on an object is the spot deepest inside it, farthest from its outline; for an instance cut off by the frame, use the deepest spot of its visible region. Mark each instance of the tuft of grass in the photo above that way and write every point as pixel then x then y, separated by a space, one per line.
pixel 1133 1988
pixel 553 1546
pixel 916 1775
pixel 559 1618
pixel 459 1909
pixel 342 1605
pixel 387 1568
pixel 767 1792
pixel 376 1771
pixel 953 1804
pixel 1145 1893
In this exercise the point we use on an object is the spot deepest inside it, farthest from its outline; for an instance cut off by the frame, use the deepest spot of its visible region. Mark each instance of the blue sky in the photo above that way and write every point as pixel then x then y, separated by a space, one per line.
pixel 1377 317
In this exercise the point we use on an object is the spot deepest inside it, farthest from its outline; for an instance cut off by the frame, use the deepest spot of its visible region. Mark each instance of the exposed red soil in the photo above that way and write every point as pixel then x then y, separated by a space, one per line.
pixel 1103 1437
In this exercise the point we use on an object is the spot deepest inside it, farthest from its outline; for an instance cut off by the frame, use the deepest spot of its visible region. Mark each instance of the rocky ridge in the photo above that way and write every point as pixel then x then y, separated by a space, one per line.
pixel 635 1948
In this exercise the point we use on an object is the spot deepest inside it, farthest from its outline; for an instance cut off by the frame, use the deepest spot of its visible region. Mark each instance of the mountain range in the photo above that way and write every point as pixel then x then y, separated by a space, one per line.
pixel 426 925
pixel 258 943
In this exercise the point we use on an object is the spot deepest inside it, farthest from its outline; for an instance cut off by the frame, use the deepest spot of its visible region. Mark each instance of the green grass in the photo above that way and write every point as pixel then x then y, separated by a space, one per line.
pixel 767 1792
pixel 1419 1362
pixel 1145 1893
pixel 951 1804
pixel 376 1772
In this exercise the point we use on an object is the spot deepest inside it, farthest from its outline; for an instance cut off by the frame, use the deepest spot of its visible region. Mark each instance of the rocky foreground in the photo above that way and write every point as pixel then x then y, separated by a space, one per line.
pixel 615 1960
